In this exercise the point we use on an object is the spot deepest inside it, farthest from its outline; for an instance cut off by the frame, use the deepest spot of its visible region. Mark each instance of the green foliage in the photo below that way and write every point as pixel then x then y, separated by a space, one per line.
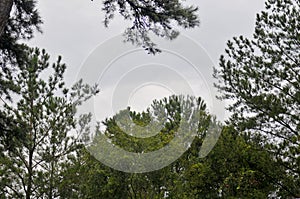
pixel 37 118
pixel 175 121
pixel 127 136
pixel 20 24
pixel 256 156
pixel 154 184
pixel 155 16
pixel 35 145
pixel 261 77
pixel 237 167
pixel 82 176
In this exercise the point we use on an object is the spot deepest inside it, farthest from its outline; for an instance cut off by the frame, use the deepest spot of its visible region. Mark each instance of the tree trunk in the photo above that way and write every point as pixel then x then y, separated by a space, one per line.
pixel 5 8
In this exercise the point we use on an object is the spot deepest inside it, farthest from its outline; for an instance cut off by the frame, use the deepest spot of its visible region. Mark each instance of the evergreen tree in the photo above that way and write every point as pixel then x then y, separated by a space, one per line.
pixel 44 118
pixel 154 16
pixel 18 20
pixel 261 78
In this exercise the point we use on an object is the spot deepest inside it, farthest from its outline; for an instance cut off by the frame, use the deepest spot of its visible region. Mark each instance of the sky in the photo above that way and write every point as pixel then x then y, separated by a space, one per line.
pixel 75 30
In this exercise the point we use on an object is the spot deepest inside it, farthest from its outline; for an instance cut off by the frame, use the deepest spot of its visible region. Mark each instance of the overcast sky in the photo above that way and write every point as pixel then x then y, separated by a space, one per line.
pixel 74 29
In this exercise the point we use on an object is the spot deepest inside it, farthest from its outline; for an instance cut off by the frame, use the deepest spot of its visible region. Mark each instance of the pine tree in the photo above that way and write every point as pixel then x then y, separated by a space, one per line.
pixel 18 20
pixel 261 78
pixel 40 137
pixel 155 16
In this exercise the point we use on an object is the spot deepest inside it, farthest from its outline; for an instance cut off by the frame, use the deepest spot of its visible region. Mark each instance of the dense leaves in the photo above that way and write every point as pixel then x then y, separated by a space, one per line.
pixel 237 167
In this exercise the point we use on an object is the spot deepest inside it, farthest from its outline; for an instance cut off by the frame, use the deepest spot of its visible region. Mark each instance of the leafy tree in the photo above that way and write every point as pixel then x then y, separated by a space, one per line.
pixel 138 185
pixel 237 167
pixel 261 78
pixel 82 176
pixel 174 121
pixel 44 116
